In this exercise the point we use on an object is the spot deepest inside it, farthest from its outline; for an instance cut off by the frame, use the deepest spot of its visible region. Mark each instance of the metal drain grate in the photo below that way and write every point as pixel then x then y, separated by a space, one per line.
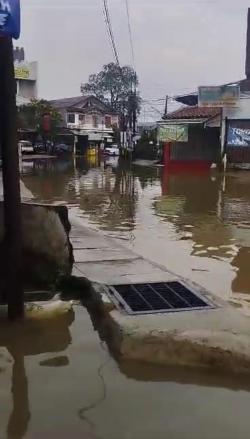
pixel 153 298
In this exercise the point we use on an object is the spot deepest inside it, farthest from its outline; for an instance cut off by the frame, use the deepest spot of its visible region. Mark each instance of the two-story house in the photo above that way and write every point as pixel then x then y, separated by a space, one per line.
pixel 91 120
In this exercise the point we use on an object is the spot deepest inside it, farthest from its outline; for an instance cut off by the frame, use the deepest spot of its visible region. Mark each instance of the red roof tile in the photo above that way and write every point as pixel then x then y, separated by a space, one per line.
pixel 194 113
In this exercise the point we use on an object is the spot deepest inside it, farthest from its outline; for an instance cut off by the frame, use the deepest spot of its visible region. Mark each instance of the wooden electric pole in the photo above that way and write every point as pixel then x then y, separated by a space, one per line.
pixel 11 181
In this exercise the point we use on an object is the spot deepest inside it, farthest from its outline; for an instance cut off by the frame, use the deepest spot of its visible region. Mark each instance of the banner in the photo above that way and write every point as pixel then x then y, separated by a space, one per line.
pixel 172 133
pixel 10 18
pixel 221 96
pixel 238 136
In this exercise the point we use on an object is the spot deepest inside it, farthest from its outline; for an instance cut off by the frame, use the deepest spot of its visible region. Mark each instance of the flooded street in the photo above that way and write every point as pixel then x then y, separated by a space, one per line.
pixel 65 384
pixel 196 225
pixel 59 380
pixel 124 219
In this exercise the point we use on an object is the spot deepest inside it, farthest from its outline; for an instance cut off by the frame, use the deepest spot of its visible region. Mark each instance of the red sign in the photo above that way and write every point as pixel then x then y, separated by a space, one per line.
pixel 46 122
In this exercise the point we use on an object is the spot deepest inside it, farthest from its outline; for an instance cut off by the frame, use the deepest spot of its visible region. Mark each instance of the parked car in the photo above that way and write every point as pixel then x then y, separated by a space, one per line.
pixel 62 148
pixel 111 161
pixel 112 150
pixel 39 147
pixel 26 147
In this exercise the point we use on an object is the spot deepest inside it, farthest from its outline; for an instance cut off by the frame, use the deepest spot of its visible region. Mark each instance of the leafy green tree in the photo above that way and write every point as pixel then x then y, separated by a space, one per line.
pixel 116 87
pixel 31 116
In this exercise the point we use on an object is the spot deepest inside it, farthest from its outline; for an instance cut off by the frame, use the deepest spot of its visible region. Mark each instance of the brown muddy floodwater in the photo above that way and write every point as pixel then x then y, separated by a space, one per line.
pixel 58 380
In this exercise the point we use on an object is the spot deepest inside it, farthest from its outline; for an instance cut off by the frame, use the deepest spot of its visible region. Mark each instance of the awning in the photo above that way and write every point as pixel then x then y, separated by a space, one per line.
pixel 98 137
pixel 191 99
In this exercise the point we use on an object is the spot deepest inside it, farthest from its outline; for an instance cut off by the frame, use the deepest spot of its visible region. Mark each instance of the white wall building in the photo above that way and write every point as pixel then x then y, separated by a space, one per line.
pixel 88 116
pixel 26 74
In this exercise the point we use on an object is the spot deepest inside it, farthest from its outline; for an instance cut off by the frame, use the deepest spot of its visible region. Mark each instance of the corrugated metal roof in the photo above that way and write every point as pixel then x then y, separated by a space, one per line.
pixel 193 113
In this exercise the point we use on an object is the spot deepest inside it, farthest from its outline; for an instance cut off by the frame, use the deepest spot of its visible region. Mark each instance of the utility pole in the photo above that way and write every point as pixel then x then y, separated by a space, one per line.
pixel 11 181
pixel 166 106
pixel 134 110
pixel 134 113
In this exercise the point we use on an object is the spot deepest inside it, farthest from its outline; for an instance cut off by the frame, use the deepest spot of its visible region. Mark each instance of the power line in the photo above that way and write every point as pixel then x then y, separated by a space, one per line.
pixel 130 33
pixel 110 30
pixel 154 108
pixel 107 29
pixel 157 100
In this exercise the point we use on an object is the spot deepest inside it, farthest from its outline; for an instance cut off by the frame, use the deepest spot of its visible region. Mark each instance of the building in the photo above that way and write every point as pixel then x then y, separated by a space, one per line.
pixel 226 132
pixel 202 145
pixel 26 74
pixel 91 120
pixel 233 125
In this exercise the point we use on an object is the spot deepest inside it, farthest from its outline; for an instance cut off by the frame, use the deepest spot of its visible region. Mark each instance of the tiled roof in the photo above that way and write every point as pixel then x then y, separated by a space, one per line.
pixel 80 103
pixel 69 102
pixel 194 113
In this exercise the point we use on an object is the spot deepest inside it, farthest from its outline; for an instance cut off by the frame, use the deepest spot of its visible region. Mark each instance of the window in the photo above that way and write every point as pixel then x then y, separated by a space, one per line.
pixel 82 119
pixel 71 118
pixel 115 121
pixel 95 121
pixel 108 121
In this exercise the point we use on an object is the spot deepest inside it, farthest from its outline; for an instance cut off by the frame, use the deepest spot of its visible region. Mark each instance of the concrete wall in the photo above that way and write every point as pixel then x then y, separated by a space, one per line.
pixel 27 89
pixel 47 251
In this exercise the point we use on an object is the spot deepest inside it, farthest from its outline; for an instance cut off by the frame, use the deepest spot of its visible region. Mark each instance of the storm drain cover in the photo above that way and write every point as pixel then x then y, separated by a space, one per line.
pixel 150 298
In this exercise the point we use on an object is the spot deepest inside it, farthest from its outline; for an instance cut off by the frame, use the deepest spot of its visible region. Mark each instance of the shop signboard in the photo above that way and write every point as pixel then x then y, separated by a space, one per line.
pixel 172 133
pixel 22 71
pixel 219 96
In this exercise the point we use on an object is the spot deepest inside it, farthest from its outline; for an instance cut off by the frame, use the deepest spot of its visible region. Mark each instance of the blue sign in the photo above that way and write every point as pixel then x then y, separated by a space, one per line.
pixel 238 136
pixel 10 18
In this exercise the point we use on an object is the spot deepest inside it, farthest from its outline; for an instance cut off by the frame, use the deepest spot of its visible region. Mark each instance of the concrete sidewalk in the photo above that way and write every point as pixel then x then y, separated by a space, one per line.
pixel 102 259
pixel 215 338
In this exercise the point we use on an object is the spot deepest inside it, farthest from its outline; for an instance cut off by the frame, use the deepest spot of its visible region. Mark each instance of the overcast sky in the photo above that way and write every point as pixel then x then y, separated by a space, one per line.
pixel 179 44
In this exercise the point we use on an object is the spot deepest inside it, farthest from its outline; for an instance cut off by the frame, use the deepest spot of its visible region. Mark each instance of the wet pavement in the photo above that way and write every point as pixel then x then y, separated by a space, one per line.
pixel 60 380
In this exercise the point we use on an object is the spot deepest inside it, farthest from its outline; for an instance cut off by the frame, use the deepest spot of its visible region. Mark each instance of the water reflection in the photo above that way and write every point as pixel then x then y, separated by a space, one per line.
pixel 192 203
pixel 106 194
pixel 31 338
pixel 20 416
pixel 137 203
pixel 183 375
pixel 146 372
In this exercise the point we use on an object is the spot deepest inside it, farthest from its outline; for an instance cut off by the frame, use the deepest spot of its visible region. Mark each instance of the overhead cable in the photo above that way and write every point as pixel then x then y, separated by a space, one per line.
pixel 130 33
pixel 110 30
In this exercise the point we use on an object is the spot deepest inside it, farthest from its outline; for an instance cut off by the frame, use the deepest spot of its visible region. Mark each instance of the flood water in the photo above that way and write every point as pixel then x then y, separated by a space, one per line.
pixel 197 225
pixel 58 380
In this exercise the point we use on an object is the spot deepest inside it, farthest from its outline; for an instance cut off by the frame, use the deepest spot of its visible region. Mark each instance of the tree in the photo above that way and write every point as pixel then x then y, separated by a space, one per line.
pixel 116 87
pixel 31 116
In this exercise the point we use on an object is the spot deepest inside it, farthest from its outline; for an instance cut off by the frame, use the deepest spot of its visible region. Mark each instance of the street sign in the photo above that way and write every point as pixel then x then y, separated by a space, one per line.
pixel 219 96
pixel 10 18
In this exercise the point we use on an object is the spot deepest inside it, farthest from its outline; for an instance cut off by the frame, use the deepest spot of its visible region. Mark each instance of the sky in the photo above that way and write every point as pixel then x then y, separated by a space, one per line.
pixel 179 44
